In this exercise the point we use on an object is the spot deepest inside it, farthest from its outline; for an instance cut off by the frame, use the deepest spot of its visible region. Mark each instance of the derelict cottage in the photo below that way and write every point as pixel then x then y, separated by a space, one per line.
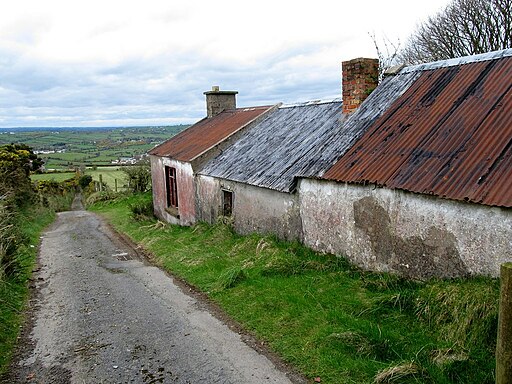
pixel 415 178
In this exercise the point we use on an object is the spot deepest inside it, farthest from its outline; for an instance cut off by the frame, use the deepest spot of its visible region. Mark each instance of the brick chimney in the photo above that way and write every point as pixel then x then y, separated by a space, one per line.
pixel 359 78
pixel 218 101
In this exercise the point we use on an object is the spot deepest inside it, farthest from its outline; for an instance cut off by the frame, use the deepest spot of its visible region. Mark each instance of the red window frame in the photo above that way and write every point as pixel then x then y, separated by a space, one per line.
pixel 172 187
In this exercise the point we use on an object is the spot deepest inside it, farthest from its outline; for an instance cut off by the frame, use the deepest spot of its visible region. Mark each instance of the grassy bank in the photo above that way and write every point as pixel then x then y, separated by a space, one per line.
pixel 14 286
pixel 324 316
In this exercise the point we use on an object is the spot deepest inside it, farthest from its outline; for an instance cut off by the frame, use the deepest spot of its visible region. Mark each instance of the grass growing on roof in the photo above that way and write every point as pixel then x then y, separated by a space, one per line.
pixel 324 316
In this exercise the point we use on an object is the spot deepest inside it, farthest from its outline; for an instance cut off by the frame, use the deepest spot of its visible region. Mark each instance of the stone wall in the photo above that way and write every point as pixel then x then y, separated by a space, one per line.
pixel 415 235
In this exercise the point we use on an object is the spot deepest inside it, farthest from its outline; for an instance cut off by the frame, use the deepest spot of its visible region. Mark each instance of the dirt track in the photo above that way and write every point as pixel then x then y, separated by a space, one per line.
pixel 100 314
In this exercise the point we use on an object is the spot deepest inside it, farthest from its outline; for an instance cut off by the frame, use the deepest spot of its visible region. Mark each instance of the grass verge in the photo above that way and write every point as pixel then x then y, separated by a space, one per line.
pixel 325 317
pixel 14 286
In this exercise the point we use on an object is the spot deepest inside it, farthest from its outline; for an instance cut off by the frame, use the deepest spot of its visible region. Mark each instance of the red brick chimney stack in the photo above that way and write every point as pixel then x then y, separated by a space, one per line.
pixel 359 78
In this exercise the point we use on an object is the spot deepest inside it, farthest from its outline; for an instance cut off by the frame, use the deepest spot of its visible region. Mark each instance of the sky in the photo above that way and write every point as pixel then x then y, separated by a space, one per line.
pixel 147 62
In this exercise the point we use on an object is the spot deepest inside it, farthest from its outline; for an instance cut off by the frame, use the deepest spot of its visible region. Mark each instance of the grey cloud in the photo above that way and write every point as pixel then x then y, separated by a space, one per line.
pixel 166 87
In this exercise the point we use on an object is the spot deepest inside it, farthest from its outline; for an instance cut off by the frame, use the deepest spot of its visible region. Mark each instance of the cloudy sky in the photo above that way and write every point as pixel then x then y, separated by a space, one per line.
pixel 148 62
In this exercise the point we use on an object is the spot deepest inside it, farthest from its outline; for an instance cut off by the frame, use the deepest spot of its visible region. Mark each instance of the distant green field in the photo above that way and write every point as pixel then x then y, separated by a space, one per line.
pixel 68 148
pixel 109 176
pixel 58 177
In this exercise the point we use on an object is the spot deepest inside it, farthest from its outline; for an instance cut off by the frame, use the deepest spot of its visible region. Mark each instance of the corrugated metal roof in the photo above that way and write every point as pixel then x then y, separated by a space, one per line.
pixel 449 135
pixel 205 134
pixel 293 140
pixel 459 61
pixel 301 140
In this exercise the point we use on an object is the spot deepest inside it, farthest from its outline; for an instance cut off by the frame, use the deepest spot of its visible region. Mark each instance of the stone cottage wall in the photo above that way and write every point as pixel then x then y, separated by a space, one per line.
pixel 186 214
pixel 255 210
pixel 415 235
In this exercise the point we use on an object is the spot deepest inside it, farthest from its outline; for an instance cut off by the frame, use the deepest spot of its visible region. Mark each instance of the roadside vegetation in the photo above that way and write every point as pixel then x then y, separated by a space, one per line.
pixel 332 321
pixel 25 210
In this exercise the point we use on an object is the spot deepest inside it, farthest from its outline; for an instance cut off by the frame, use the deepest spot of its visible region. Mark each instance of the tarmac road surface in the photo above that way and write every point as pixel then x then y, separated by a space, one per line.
pixel 101 314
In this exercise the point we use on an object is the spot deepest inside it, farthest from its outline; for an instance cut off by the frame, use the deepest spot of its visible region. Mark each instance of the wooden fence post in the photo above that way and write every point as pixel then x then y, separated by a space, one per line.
pixel 504 343
pixel 115 183
pixel 101 182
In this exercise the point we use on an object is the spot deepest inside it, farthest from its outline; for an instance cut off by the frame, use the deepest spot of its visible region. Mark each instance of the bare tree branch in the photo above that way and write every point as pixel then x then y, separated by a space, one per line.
pixel 387 53
pixel 464 27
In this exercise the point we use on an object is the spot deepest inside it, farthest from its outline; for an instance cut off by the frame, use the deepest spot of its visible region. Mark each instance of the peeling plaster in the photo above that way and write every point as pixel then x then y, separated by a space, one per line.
pixel 414 235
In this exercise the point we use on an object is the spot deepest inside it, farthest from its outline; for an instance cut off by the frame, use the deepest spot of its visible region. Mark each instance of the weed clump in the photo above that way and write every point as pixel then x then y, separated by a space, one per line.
pixel 467 312
pixel 365 346
pixel 404 373
pixel 142 210
pixel 230 278
pixel 103 196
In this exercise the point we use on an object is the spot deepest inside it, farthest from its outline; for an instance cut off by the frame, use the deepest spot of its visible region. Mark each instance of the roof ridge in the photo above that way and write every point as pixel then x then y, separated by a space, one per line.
pixel 494 55
pixel 311 102
pixel 248 108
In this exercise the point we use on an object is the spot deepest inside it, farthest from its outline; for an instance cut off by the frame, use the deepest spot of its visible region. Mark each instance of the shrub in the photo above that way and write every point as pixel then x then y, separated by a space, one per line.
pixel 138 177
pixel 142 210
pixel 10 239
pixel 84 181
pixel 102 196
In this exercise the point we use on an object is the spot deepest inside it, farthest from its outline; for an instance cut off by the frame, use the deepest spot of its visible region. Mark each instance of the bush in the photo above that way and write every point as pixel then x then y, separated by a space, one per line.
pixel 138 177
pixel 102 196
pixel 84 181
pixel 16 163
pixel 10 239
pixel 142 210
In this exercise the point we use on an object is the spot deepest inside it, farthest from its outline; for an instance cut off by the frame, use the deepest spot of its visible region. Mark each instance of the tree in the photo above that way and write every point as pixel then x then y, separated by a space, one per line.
pixel 16 163
pixel 138 176
pixel 464 27
pixel 84 181
pixel 387 53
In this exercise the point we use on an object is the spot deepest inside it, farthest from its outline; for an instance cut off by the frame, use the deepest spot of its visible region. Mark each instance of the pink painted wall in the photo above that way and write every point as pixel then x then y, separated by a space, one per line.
pixel 186 214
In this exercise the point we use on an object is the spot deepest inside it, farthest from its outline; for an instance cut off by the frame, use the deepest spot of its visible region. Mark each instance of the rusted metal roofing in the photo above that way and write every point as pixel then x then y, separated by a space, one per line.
pixel 294 140
pixel 205 134
pixel 448 135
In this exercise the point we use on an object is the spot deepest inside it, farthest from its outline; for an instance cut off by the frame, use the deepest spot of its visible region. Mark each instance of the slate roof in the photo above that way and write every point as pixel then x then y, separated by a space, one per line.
pixel 288 142
pixel 449 134
pixel 206 133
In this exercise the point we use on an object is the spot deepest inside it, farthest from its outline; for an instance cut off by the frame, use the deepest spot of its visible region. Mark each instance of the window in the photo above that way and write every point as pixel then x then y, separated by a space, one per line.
pixel 172 189
pixel 227 203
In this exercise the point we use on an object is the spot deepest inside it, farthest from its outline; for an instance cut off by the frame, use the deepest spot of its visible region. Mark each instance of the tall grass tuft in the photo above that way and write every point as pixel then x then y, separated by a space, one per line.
pixel 230 278
pixel 403 373
pixel 142 210
pixel 465 315
pixel 9 238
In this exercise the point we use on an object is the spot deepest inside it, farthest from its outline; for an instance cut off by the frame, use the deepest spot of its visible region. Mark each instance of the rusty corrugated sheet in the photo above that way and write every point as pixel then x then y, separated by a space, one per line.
pixel 448 135
pixel 206 133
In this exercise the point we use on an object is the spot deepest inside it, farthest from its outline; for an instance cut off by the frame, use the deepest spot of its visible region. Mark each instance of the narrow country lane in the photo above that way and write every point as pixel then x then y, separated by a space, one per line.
pixel 102 315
